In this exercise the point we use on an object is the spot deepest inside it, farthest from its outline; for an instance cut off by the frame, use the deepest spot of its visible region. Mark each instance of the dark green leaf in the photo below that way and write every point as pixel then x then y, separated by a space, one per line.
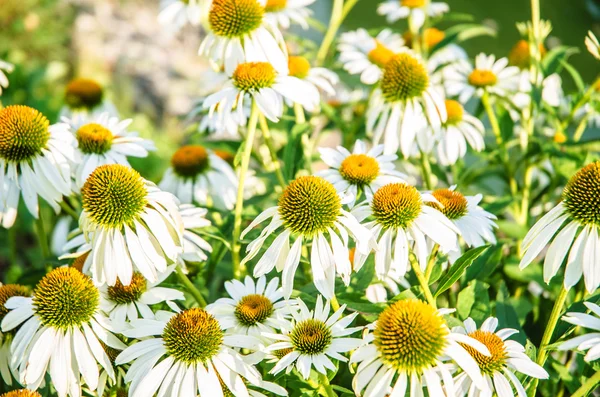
pixel 459 267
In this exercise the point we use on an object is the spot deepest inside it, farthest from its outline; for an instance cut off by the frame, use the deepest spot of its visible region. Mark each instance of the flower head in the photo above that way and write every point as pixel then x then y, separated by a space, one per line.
pixel 285 12
pixel 85 97
pixel 7 291
pixel 587 341
pixel 5 67
pixel 416 10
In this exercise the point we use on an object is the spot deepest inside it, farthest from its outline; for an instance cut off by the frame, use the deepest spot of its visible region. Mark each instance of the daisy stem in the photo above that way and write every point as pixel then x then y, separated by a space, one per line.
pixel 40 230
pixel 485 100
pixel 337 16
pixel 12 242
pixel 423 282
pixel 326 386
pixel 70 211
pixel 581 128
pixel 264 126
pixel 335 305
pixel 239 204
pixel 431 262
pixel 426 169
pixel 191 287
pixel 299 112
pixel 588 386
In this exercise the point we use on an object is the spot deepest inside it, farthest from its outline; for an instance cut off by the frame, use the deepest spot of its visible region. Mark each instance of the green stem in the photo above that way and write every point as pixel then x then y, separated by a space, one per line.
pixel 70 211
pixel 326 386
pixel 426 169
pixel 264 126
pixel 239 204
pixel 12 243
pixel 423 282
pixel 431 262
pixel 584 99
pixel 485 100
pixel 588 386
pixel 335 305
pixel 524 213
pixel 191 287
pixel 40 229
pixel 334 24
pixel 581 128
pixel 299 112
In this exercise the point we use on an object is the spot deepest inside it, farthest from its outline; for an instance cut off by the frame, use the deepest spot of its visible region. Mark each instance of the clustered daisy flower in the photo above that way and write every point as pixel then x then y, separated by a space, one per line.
pixel 589 341
pixel 283 13
pixel 5 67
pixel 7 291
pixel 85 97
pixel 415 10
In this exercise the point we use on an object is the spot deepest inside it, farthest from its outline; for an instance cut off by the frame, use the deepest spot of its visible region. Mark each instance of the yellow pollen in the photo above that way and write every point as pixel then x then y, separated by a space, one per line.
pixel 482 78
pixel 412 3
pixel 396 205
pixel 23 133
pixel 253 76
pixel 21 393
pixel 380 55
pixel 431 37
pixel 455 111
pixel 190 161
pixel 275 5
pixel 298 66
pixel 359 169
pixel 83 93
pixel 94 139
pixel 454 204
pixel 497 360
pixel 235 18
pixel 253 309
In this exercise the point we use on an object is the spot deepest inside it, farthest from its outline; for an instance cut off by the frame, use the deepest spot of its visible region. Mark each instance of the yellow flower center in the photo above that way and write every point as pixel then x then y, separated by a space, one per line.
pixel 404 77
pixel 560 137
pixel 380 55
pixel 23 133
pixel 275 5
pixel 124 294
pixel 454 204
pixel 253 76
pixel 190 161
pixel 520 56
pixel 235 18
pixel 396 205
pixel 581 196
pixel 482 78
pixel 431 37
pixel 8 291
pixel 94 139
pixel 282 352
pixel 410 335
pixel 22 393
pixel 310 337
pixel 497 360
pixel 298 67
pixel 412 3
pixel 455 111
pixel 359 169
pixel 253 309
pixel 225 155
pixel 83 94
pixel 80 261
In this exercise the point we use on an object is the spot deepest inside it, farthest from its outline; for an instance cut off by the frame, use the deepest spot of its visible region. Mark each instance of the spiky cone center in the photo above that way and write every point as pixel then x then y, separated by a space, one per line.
pixel 309 205
pixel 404 78
pixel 110 352
pixel 252 76
pixel 192 336
pixel 412 3
pixel 21 393
pixel 235 18
pixel 281 353
pixel 190 161
pixel 396 205
pixel 410 335
pixel 482 78
pixel 380 55
pixel 310 337
pixel 455 112
pixel 83 94
pixel 79 262
pixel 94 138
pixel 275 5
pixel 65 298
pixel 124 294
pixel 497 360
pixel 431 37
pixel 114 195
pixel 581 196
pixel 453 204
pixel 298 67
pixel 7 291
pixel 23 133
pixel 359 169
pixel 225 156
pixel 253 309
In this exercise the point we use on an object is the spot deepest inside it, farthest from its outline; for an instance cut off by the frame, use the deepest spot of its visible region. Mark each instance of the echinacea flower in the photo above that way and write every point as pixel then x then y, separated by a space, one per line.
pixel 409 349
pixel 404 100
pixel 573 227
pixel 86 97
pixel 21 393
pixel 239 32
pixel 361 172
pixel 130 224
pixel 439 57
pixel 285 12
pixel 7 291
pixel 498 369
pixel 5 67
pixel 35 160
pixel 62 330
pixel 313 338
pixel 309 210
pixel 322 78
pixel 590 341
pixel 175 14
pixel 103 139
pixel 194 246
pixel 199 176
pixel 360 53
pixel 187 354
pixel 415 10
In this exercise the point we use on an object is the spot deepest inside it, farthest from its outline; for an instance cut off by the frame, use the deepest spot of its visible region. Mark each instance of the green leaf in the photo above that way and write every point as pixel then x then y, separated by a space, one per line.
pixel 485 265
pixel 552 62
pixel 574 75
pixel 459 267
pixel 293 154
pixel 474 302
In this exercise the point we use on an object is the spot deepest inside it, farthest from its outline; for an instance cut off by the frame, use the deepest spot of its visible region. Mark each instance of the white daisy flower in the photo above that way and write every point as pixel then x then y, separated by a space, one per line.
pixel 360 172
pixel 187 354
pixel 415 10
pixel 309 210
pixel 285 12
pixel 86 98
pixel 62 332
pixel 5 67
pixel 178 13
pixel 7 291
pixel 592 44
pixel 380 291
pixel 404 220
pixel 498 369
pixel 103 139
pixel 240 32
pixel 130 225
pixel 313 338
pixel 322 78
pixel 35 160
pixel 198 175
pixel 251 308
pixel 260 82
pixel 589 341
pixel 491 75
pixel 411 348
pixel 573 225
pixel 404 100
pixel 194 246
pixel 362 54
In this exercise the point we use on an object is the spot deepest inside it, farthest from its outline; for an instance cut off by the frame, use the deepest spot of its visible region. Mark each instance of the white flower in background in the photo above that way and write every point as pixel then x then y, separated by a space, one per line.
pixel 377 291
pixel 130 225
pixel 362 54
pixel 178 13
pixel 35 160
pixel 260 82
pixel 313 338
pixel 194 246
pixel 361 172
pixel 187 354
pixel 199 176
pixel 592 45
pixel 439 58
pixel 7 291
pixel 62 330
pixel 402 223
pixel 322 78
pixel 239 32
pixel 221 128
pixel 5 67
pixel 590 341
pixel 491 75
pixel 85 98
pixel 309 211
pixel 404 100
pixel 573 225
pixel 285 12
pixel 103 139
pixel 411 348
pixel 415 10
pixel 252 308
pixel 498 370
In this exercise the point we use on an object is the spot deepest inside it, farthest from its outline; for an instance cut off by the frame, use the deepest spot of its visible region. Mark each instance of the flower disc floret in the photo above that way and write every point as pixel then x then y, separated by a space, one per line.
pixel 7 291
pixel 482 78
pixel 380 55
pixel 298 67
pixel 94 138
pixel 581 196
pixel 253 76
pixel 359 169
pixel 410 335
pixel 124 294
pixel 114 195
pixel 396 205
pixel 83 93
pixel 193 336
pixel 190 161
pixel 404 78
pixel 253 309
pixel 281 353
pixel 309 205
pixel 498 356
pixel 22 393
pixel 311 337
pixel 65 298
pixel 454 204
pixel 23 133
pixel 235 18
pixel 455 112
pixel 412 3
pixel 275 5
